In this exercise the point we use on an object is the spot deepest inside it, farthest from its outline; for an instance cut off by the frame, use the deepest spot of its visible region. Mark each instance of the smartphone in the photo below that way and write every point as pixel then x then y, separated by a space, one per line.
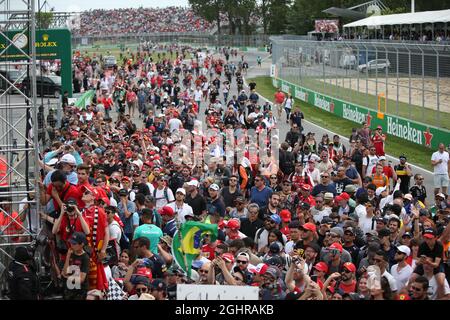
pixel 314 277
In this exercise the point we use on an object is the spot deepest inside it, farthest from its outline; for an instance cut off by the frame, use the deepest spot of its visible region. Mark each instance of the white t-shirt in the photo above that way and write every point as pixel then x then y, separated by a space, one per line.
pixel 433 287
pixel 441 168
pixel 314 176
pixel 198 94
pixel 115 233
pixel 289 247
pixel 365 223
pixel 161 200
pixel 175 124
pixel 401 276
pixel 181 212
pixel 372 162
pixel 288 103
pixel 391 280
pixel 319 215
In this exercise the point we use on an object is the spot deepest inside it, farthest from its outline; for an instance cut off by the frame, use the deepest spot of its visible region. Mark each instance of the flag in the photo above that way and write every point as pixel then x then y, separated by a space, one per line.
pixel 187 242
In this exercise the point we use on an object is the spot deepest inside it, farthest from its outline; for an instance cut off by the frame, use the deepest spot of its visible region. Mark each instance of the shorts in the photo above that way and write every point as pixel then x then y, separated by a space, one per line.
pixel 441 181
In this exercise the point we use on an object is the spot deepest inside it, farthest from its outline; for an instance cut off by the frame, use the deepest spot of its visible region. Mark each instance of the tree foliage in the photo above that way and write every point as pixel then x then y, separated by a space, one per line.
pixel 44 19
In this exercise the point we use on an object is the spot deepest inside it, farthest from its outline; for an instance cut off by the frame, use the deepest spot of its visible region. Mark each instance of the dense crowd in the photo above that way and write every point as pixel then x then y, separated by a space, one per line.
pixel 140 20
pixel 312 220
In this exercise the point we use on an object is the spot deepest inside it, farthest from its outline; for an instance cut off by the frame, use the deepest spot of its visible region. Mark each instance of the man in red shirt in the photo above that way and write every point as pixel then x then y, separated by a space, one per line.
pixel 59 190
pixel 348 282
pixel 378 140
pixel 279 100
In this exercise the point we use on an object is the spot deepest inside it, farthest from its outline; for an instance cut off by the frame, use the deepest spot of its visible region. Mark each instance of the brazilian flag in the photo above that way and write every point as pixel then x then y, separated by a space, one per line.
pixel 187 242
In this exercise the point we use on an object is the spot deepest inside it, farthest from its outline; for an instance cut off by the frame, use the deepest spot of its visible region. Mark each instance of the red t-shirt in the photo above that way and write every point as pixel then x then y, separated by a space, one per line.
pixel 69 191
pixel 208 251
pixel 14 224
pixel 348 288
pixel 279 97
pixel 378 143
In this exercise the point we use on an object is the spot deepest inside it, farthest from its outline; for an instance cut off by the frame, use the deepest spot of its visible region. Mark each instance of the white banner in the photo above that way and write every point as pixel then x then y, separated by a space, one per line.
pixel 215 292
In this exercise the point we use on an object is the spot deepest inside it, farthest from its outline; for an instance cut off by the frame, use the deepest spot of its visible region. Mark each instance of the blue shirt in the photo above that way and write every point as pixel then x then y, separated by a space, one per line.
pixel 170 228
pixel 352 173
pixel 131 221
pixel 321 188
pixel 260 197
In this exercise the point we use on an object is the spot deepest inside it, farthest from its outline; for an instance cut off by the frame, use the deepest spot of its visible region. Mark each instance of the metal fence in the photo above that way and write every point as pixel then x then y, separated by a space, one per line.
pixel 403 79
pixel 199 39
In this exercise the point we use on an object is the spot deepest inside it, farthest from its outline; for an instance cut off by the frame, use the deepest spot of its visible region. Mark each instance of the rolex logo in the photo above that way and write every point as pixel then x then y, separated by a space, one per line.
pixel 45 37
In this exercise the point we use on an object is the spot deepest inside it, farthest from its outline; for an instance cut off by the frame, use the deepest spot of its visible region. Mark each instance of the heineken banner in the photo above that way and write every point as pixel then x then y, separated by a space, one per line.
pixel 412 131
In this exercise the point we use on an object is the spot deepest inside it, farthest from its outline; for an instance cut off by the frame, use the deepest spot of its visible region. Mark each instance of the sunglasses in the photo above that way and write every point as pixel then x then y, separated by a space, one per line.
pixel 416 288
pixel 241 262
pixel 346 271
pixel 99 181
pixel 273 177
pixel 140 290
pixel 324 177
pixel 202 271
pixel 258 180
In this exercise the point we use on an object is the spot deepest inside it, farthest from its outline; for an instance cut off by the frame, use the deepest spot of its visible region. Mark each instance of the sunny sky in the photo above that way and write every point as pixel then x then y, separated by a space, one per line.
pixel 80 5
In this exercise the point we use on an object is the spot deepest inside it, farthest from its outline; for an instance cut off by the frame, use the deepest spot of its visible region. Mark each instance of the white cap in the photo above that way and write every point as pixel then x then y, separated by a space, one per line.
pixel 408 196
pixel 52 162
pixel 68 158
pixel 381 158
pixel 181 190
pixel 379 191
pixel 193 183
pixel 214 186
pixel 406 250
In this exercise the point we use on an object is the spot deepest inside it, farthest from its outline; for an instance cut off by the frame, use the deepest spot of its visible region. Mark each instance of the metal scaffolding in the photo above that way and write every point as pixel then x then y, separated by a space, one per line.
pixel 19 150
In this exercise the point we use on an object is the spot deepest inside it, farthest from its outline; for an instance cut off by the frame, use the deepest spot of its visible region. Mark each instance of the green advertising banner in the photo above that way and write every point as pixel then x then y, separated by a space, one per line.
pixel 51 44
pixel 411 131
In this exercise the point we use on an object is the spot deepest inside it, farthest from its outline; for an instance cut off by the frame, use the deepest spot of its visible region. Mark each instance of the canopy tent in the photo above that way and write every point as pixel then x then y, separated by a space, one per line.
pixel 439 16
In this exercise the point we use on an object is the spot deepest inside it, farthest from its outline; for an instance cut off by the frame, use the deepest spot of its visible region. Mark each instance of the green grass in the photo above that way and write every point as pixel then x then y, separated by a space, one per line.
pixel 431 117
pixel 416 154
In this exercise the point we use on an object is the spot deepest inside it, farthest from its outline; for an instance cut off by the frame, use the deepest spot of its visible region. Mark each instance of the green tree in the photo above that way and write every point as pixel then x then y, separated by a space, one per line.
pixel 44 19
pixel 210 10
pixel 278 13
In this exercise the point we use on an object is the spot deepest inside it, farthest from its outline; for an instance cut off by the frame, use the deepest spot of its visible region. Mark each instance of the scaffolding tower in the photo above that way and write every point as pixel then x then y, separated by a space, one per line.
pixel 19 149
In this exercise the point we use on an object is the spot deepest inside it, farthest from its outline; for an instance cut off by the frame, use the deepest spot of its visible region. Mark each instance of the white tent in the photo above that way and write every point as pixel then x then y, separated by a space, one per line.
pixel 403 18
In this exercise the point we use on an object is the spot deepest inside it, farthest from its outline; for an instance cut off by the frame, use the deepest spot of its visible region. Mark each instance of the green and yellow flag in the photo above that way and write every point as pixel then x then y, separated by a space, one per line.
pixel 187 242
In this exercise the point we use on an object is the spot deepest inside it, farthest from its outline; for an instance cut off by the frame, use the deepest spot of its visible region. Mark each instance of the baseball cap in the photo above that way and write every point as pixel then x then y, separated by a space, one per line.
pixel 349 229
pixel 273 271
pixel 309 226
pixel 92 190
pixel 321 266
pixel 313 245
pixel 404 249
pixel 123 192
pixel 408 196
pixel 372 233
pixel 285 215
pixel 402 157
pixel 429 233
pixel 380 190
pixel 379 127
pixel 337 246
pixel 159 285
pixel 407 234
pixel 126 178
pixel 440 195
pixel 214 187
pixel 381 158
pixel 68 158
pixel 349 266
pixel 260 268
pixel 305 187
pixel 338 230
pixel 193 183
pixel 228 257
pixel 166 210
pixel 52 162
pixel 78 238
pixel 181 190
pixel 233 224
pixel 240 199
pixel 326 220
pixel 275 247
pixel 275 218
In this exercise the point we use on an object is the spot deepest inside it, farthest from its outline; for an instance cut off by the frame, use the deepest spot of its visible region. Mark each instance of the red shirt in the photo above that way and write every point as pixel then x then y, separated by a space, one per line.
pixel 348 288
pixel 208 251
pixel 378 143
pixel 14 224
pixel 279 97
pixel 89 215
pixel 69 191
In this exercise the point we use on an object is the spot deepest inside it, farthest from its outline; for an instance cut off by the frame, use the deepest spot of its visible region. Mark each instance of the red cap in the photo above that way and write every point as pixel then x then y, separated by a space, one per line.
pixel 92 190
pixel 228 257
pixel 126 178
pixel 285 215
pixel 260 268
pixel 338 198
pixel 321 266
pixel 344 195
pixel 338 246
pixel 306 187
pixel 106 201
pixel 233 224
pixel 350 267
pixel 144 271
pixel 309 226
pixel 166 210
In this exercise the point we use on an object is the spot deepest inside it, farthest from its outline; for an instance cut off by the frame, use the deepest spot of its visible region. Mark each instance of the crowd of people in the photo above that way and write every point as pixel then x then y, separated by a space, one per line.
pixel 140 20
pixel 312 220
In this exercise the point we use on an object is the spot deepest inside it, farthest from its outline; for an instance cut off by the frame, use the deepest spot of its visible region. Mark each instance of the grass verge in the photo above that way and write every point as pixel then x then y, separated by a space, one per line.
pixel 416 154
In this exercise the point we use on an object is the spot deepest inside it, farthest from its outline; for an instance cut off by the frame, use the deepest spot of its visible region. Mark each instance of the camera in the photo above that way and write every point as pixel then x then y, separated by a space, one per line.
pixel 70 205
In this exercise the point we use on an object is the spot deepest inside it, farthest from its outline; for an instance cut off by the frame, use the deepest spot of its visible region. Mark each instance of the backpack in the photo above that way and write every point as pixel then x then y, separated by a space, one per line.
pixel 165 194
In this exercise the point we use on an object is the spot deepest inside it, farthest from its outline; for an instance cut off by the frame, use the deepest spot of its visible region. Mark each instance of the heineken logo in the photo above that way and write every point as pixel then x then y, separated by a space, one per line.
pixel 302 95
pixel 322 103
pixel 404 131
pixel 353 114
